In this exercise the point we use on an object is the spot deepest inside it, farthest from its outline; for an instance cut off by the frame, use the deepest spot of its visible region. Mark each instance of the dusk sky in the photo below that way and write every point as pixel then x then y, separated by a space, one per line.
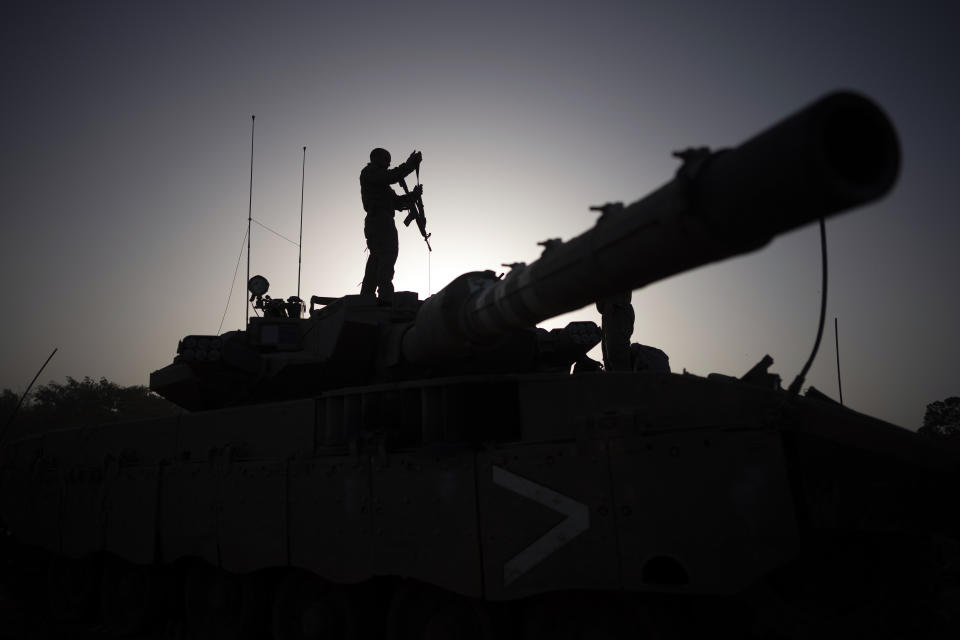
pixel 124 167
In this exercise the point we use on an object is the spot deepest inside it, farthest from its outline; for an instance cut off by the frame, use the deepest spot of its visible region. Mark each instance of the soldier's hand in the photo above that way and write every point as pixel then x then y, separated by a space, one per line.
pixel 415 158
pixel 417 191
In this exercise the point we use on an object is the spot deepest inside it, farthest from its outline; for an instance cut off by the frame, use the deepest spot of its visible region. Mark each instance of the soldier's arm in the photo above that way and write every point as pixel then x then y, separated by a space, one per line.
pixel 399 172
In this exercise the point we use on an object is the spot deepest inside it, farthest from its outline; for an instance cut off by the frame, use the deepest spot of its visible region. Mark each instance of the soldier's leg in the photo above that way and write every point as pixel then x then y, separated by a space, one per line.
pixel 369 285
pixel 387 261
pixel 370 232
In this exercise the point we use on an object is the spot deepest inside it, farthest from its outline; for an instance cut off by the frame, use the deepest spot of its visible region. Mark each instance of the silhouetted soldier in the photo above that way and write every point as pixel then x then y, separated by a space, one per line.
pixel 616 326
pixel 616 312
pixel 380 202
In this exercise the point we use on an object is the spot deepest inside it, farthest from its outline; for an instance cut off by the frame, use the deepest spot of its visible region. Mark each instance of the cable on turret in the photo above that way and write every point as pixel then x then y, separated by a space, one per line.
pixel 233 282
pixel 794 388
pixel 276 233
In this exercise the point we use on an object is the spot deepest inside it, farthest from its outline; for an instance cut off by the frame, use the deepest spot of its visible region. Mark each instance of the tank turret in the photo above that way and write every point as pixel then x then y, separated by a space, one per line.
pixel 835 154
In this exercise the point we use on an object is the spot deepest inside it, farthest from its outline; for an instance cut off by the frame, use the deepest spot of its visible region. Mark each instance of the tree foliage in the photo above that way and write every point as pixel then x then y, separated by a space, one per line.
pixel 81 403
pixel 942 419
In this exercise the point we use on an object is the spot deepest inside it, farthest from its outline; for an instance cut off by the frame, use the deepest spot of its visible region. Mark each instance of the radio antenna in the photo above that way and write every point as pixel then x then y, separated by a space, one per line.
pixel 246 315
pixel 24 396
pixel 303 173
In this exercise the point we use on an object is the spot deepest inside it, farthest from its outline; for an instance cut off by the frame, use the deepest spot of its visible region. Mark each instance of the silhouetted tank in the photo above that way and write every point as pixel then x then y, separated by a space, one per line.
pixel 433 467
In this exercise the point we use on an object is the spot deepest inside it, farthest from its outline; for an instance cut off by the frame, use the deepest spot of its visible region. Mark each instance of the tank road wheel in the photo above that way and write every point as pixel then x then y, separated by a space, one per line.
pixel 72 588
pixel 133 596
pixel 307 607
pixel 585 616
pixel 220 605
pixel 422 612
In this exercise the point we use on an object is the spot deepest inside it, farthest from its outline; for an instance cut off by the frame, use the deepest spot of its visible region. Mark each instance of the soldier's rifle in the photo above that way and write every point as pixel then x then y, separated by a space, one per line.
pixel 416 211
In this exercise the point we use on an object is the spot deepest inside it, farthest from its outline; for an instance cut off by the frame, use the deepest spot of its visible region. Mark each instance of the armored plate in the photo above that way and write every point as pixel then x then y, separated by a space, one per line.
pixel 83 511
pixel 330 517
pixel 273 431
pixel 147 442
pixel 189 511
pixel 425 518
pixel 131 512
pixel 252 528
pixel 15 495
pixel 41 508
pixel 667 486
pixel 22 453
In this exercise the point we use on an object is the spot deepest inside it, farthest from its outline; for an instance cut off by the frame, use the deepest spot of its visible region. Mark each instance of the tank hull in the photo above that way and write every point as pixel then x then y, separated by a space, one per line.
pixel 600 482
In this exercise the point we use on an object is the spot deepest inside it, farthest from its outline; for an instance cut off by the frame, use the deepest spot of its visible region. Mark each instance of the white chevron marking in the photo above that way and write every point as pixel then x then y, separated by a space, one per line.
pixel 576 522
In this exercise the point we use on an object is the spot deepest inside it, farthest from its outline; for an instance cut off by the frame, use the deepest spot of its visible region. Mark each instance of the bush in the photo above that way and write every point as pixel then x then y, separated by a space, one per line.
pixel 942 419
pixel 81 403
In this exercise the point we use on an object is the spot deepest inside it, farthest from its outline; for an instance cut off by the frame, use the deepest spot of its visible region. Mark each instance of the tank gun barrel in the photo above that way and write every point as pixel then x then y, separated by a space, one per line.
pixel 837 153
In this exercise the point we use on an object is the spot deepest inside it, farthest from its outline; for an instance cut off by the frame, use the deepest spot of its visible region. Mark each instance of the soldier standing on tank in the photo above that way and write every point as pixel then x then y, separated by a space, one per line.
pixel 617 317
pixel 380 202
pixel 616 312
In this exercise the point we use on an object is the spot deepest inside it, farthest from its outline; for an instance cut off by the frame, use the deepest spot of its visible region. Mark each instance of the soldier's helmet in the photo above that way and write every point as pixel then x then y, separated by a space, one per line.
pixel 380 156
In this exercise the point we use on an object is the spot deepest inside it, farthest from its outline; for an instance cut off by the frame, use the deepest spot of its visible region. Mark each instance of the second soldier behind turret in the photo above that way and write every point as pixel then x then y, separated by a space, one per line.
pixel 380 202
pixel 617 317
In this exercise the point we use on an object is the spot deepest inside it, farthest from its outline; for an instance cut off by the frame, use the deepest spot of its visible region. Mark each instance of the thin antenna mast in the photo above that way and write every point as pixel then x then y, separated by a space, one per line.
pixel 24 396
pixel 303 173
pixel 246 315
